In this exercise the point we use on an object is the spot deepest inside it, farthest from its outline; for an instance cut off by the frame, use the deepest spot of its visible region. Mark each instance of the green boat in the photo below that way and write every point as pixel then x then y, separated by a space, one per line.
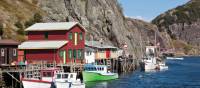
pixel 97 73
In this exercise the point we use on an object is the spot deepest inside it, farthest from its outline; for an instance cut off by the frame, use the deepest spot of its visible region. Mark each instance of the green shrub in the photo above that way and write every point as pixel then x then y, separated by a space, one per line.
pixel 29 23
pixel 37 17
pixel 21 32
pixel 19 25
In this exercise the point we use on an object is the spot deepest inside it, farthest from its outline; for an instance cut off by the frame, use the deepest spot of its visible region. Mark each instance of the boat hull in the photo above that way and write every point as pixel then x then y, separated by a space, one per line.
pixel 93 76
pixel 36 84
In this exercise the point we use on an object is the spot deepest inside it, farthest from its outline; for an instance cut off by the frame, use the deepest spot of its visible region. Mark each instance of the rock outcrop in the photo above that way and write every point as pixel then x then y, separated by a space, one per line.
pixel 182 23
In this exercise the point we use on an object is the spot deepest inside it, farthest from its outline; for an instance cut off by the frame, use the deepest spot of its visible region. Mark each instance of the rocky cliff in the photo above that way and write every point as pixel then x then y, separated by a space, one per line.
pixel 182 23
pixel 102 18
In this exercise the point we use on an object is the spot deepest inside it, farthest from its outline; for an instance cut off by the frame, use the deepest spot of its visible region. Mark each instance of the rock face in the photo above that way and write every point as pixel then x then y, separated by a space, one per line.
pixel 103 19
pixel 182 23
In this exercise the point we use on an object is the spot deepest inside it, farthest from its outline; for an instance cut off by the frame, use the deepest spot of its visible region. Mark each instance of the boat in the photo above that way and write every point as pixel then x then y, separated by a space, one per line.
pixel 149 62
pixel 163 66
pixel 68 80
pixel 97 73
pixel 50 78
pixel 175 58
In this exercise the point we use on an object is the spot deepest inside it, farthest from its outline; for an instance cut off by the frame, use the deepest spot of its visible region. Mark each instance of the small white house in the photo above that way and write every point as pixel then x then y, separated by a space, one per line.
pixel 89 55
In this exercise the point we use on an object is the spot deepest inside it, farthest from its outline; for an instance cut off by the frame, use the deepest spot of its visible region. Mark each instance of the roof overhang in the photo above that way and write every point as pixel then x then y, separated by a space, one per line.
pixel 53 26
pixel 42 44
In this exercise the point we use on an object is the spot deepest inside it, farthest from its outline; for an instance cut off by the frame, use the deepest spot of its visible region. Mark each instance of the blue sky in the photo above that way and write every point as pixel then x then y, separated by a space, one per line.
pixel 148 9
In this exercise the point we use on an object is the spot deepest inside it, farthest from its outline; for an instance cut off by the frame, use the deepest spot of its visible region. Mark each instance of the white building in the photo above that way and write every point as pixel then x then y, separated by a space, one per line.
pixel 89 55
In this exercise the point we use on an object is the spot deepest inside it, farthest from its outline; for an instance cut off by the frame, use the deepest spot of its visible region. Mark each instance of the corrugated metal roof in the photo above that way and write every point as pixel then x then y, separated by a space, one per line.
pixel 97 44
pixel 52 26
pixel 42 44
pixel 8 42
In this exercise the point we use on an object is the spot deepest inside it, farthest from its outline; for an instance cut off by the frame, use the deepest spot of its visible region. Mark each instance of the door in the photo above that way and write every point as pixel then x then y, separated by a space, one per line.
pixel 107 53
pixel 75 38
pixel 64 57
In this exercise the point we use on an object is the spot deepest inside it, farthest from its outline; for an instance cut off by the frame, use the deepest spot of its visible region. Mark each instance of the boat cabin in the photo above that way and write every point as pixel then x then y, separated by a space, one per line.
pixel 95 68
pixel 44 75
pixel 63 77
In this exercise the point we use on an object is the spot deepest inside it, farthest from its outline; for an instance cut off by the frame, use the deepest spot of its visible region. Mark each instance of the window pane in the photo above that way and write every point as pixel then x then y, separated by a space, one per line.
pixel 70 53
pixel 58 76
pixel 61 54
pixel 14 52
pixel 81 36
pixel 70 36
pixel 79 54
pixel 2 52
pixel 74 53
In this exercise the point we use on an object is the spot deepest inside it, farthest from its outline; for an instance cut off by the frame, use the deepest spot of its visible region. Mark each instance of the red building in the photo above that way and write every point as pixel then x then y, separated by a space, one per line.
pixel 62 42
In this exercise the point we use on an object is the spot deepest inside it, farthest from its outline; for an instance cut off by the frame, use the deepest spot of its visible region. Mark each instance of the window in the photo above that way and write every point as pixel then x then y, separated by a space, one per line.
pixel 14 52
pixel 2 52
pixel 71 76
pixel 65 76
pixel 74 54
pixel 79 53
pixel 46 35
pixel 70 36
pixel 61 54
pixel 87 53
pixel 58 76
pixel 81 36
pixel 70 53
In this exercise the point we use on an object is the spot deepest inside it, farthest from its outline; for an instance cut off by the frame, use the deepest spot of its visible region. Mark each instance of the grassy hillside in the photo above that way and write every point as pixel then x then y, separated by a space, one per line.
pixel 187 13
pixel 16 15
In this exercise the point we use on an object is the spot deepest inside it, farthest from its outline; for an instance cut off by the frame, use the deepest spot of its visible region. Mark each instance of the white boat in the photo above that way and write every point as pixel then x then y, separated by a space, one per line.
pixel 46 78
pixel 149 62
pixel 163 66
pixel 175 58
pixel 68 80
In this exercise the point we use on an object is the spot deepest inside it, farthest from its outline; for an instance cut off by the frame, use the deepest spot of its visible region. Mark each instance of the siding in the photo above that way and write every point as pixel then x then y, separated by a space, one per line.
pixel 49 55
pixel 104 55
pixel 40 55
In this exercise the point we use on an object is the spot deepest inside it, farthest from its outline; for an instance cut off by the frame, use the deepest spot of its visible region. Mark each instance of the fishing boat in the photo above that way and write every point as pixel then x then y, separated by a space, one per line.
pixel 51 78
pixel 97 73
pixel 68 80
pixel 39 78
pixel 149 62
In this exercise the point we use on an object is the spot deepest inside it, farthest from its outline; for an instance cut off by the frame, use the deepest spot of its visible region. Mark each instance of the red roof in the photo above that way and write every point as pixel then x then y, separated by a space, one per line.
pixel 8 42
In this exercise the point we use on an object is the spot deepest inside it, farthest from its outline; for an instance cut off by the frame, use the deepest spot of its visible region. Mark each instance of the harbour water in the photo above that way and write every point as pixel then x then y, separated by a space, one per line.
pixel 181 74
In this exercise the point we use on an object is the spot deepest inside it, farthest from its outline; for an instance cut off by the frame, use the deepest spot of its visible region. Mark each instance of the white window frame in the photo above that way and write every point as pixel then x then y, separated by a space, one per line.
pixel 2 52
pixel 14 52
